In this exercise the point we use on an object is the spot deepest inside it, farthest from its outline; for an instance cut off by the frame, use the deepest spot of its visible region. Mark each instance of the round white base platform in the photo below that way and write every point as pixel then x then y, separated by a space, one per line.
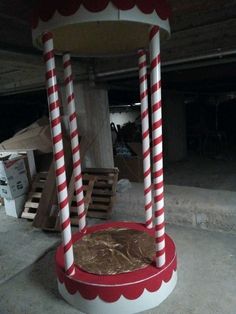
pixel 125 293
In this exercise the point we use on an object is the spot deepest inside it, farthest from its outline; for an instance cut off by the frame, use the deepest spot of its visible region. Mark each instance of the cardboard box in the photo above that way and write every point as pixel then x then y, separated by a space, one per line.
pixel 38 138
pixel 15 207
pixel 131 167
pixel 13 177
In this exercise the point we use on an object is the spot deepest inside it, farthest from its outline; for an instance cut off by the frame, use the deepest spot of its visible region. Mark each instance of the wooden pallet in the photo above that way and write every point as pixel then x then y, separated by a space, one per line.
pixel 88 185
pixel 99 195
pixel 104 191
pixel 34 197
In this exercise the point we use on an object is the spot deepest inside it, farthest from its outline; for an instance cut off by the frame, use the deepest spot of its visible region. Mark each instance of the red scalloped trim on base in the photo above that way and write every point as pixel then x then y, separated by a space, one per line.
pixel 111 288
pixel 44 10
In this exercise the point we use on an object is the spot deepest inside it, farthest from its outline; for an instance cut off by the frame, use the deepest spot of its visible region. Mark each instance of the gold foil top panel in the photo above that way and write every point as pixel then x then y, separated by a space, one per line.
pixel 114 251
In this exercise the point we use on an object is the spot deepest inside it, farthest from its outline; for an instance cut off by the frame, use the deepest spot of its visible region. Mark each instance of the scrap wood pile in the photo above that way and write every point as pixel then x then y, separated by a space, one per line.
pixel 39 202
pixel 99 187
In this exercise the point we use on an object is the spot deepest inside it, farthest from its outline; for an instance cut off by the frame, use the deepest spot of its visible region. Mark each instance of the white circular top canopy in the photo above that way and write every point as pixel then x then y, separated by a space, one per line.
pixel 98 27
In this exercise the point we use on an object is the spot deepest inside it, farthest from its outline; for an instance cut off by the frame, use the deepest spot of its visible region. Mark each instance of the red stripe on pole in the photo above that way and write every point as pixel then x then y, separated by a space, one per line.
pixel 67 247
pixel 70 271
pixel 76 149
pixel 156 107
pixel 159 197
pixel 149 222
pixel 66 64
pixel 146 191
pixel 55 122
pixel 158 173
pixel 52 90
pixel 76 164
pixel 144 114
pixel 59 155
pixel 158 157
pixel 153 32
pixel 60 171
pixel 50 74
pixel 157 140
pixel 65 224
pixel 142 65
pixel 157 124
pixel 70 98
pixel 62 186
pixel 143 95
pixel 159 212
pixel 46 37
pixel 145 134
pixel 48 56
pixel 143 79
pixel 82 214
pixel 54 105
pixel 79 190
pixel 159 185
pixel 155 62
pixel 57 138
pixel 160 239
pixel 155 87
pixel 63 203
pixel 73 116
pixel 79 204
pixel 74 134
pixel 147 153
pixel 159 227
pixel 148 172
pixel 148 206
pixel 160 253
pixel 77 178
pixel 68 79
pixel 141 53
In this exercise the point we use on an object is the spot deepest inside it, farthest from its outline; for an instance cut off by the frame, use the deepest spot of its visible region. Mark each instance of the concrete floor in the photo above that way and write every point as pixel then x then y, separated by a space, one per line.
pixel 187 206
pixel 217 173
pixel 207 271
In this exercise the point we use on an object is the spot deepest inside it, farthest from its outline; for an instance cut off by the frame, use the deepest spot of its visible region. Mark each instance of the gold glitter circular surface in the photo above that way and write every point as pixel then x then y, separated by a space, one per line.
pixel 114 251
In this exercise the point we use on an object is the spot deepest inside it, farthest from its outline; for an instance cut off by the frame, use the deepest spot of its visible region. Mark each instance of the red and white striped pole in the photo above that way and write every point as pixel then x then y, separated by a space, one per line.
pixel 145 137
pixel 157 145
pixel 74 135
pixel 60 171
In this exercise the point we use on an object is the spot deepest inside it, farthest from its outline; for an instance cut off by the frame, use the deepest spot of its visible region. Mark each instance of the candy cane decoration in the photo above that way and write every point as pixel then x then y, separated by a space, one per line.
pixel 145 138
pixel 74 135
pixel 157 145
pixel 60 171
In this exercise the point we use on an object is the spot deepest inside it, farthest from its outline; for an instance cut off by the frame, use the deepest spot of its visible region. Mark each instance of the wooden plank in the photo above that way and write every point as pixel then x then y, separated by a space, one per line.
pixel 103 185
pixel 35 194
pixel 98 199
pixel 32 205
pixel 99 214
pixel 46 199
pixel 97 171
pixel 102 192
pixel 27 215
pixel 97 206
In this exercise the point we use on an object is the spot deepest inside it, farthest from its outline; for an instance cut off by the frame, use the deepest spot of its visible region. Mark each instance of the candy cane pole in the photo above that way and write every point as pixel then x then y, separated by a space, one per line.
pixel 157 145
pixel 60 171
pixel 74 135
pixel 145 138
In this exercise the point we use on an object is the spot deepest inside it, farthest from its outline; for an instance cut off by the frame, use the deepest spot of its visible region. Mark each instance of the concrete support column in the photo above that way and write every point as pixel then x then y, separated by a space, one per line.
pixel 94 125
pixel 174 116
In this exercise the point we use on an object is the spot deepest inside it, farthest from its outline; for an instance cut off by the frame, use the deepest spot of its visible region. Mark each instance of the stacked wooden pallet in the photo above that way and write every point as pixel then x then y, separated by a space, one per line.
pixel 32 203
pixel 99 195
pixel 104 191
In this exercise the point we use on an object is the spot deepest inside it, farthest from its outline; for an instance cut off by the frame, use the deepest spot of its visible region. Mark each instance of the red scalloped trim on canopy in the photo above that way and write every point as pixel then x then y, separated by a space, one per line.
pixel 46 9
pixel 111 288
